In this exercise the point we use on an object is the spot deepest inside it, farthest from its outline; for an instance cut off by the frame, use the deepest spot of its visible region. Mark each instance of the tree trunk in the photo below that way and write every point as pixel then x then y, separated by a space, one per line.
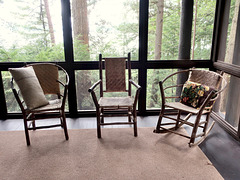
pixel 50 25
pixel 194 29
pixel 81 33
pixel 157 51
pixel 159 28
pixel 80 20
pixel 43 23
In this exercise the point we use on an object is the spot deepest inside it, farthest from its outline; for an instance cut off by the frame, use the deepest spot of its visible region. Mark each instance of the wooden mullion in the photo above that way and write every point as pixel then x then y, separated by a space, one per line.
pixel 238 133
pixel 3 105
pixel 231 69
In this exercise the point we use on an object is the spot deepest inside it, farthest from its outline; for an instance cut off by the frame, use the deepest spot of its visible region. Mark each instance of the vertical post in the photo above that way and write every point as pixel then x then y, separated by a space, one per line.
pixel 3 105
pixel 68 50
pixel 238 133
pixel 185 37
pixel 220 36
pixel 143 42
pixel 220 30
pixel 100 75
pixel 129 74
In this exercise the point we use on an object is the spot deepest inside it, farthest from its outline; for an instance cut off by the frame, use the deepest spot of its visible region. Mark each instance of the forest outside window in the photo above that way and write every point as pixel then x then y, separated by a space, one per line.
pixel 154 100
pixel 164 29
pixel 105 26
pixel 31 31
pixel 11 102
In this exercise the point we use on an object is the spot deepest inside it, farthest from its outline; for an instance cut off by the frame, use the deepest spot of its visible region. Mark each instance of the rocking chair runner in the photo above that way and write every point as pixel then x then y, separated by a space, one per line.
pixel 34 82
pixel 115 81
pixel 199 93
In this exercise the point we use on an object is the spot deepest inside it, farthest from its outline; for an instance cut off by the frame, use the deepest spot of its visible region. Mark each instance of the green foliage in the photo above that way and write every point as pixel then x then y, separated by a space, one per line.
pixel 204 28
pixel 153 91
pixel 38 47
pixel 32 53
pixel 80 51
pixel 170 34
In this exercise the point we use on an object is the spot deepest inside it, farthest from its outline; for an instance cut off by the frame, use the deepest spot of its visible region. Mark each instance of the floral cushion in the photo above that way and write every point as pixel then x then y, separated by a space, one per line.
pixel 194 94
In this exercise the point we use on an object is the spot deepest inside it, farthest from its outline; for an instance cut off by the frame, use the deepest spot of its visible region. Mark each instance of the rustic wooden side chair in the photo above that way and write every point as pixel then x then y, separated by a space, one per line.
pixel 198 95
pixel 115 81
pixel 40 94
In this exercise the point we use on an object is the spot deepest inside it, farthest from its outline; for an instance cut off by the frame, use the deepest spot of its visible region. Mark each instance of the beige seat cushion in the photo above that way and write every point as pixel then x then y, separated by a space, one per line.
pixel 182 107
pixel 54 105
pixel 116 102
pixel 29 86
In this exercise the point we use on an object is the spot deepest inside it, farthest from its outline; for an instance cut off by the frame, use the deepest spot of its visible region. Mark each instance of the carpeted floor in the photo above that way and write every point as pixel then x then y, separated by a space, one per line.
pixel 118 155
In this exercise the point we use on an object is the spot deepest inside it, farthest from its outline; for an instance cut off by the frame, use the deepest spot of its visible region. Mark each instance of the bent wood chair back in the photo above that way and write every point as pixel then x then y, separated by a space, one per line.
pixel 115 74
pixel 114 80
pixel 47 75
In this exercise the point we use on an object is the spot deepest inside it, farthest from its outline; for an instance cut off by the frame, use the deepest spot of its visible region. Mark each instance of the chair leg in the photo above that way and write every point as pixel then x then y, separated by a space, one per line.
pixel 98 124
pixel 33 122
pixel 65 125
pixel 157 130
pixel 177 122
pixel 102 118
pixel 129 115
pixel 34 125
pixel 26 131
pixel 135 128
pixel 195 128
pixel 135 124
pixel 206 124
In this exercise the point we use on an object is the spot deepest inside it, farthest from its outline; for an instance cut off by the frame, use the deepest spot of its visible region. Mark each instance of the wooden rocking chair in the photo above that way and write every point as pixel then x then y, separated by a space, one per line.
pixel 34 82
pixel 115 81
pixel 199 93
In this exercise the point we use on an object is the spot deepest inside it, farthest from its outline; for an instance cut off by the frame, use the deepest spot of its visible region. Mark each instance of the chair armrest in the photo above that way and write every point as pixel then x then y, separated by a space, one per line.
pixel 136 95
pixel 135 84
pixel 206 101
pixel 91 89
pixel 16 94
pixel 60 82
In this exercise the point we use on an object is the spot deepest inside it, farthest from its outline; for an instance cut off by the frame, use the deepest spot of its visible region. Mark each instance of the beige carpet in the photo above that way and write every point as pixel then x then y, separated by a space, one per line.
pixel 118 155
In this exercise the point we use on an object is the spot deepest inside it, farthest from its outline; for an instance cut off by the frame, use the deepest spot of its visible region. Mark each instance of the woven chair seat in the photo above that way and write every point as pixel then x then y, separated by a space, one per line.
pixel 53 105
pixel 183 107
pixel 116 102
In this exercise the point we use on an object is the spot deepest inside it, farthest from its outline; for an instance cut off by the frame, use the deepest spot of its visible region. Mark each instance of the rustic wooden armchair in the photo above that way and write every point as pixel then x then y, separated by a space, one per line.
pixel 198 95
pixel 40 94
pixel 115 81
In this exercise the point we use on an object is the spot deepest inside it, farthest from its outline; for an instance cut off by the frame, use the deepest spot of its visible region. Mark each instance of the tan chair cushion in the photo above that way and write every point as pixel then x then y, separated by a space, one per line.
pixel 116 102
pixel 182 107
pixel 29 86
